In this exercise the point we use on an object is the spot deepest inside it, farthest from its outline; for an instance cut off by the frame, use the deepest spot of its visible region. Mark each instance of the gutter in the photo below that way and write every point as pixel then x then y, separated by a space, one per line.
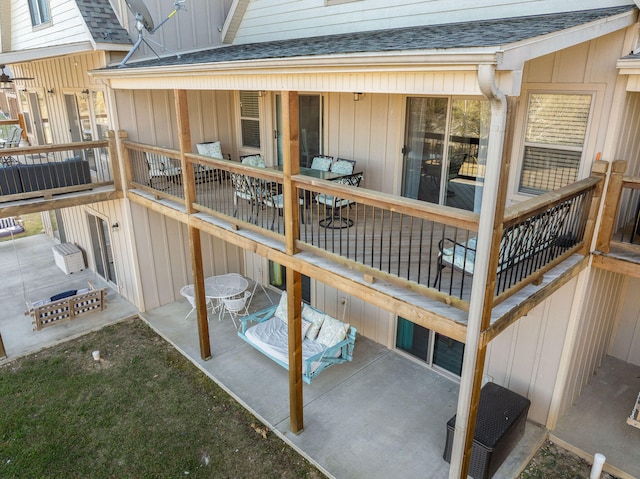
pixel 486 80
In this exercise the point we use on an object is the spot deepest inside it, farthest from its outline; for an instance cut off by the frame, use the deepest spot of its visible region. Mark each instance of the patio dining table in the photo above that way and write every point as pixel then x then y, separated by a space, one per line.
pixel 224 286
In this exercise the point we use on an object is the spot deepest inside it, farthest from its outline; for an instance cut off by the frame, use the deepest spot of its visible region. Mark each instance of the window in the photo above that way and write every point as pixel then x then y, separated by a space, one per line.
pixel 250 119
pixel 39 10
pixel 437 350
pixel 554 141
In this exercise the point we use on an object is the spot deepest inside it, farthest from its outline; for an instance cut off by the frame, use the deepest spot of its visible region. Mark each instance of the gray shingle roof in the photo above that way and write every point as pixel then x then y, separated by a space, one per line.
pixel 102 22
pixel 485 33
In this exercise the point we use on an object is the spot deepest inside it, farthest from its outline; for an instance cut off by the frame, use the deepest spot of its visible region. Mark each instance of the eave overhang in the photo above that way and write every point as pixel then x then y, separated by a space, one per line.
pixel 43 53
pixel 507 58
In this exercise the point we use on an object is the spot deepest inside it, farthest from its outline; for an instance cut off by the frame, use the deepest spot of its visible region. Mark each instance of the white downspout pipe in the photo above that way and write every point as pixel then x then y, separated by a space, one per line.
pixel 486 80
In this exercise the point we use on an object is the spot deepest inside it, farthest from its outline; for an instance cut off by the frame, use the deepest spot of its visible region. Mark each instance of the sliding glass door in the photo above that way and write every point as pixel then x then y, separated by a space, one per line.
pixel 445 150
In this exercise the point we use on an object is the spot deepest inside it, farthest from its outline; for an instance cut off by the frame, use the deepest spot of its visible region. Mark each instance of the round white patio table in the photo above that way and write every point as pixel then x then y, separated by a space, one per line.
pixel 224 286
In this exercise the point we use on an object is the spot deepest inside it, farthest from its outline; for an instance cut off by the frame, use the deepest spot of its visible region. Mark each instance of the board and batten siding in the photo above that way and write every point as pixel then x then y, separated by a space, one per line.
pixel 625 342
pixel 266 20
pixel 61 75
pixel 76 228
pixel 590 333
pixel 67 26
pixel 526 356
pixel 197 26
pixel 164 261
pixel 588 68
pixel 148 116
pixel 628 145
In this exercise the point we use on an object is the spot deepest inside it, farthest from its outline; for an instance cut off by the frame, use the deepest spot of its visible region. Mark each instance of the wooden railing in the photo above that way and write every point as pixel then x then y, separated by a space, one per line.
pixel 36 171
pixel 542 232
pixel 385 237
pixel 620 224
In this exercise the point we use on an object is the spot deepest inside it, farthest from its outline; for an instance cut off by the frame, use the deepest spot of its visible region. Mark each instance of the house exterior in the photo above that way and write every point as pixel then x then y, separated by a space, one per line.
pixel 465 121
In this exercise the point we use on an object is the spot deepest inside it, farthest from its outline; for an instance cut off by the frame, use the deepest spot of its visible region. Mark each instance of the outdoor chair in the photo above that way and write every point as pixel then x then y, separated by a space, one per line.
pixel 334 218
pixel 188 292
pixel 275 200
pixel 161 167
pixel 237 306
pixel 343 166
pixel 13 139
pixel 246 187
pixel 322 163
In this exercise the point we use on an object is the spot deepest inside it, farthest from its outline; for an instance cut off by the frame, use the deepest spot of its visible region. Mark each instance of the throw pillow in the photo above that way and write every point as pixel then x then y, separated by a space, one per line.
pixel 332 331
pixel 305 328
pixel 281 310
pixel 316 318
pixel 212 149
pixel 66 294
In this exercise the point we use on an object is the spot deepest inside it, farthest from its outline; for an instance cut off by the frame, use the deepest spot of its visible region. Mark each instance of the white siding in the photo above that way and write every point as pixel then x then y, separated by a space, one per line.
pixel 66 27
pixel 266 20
pixel 585 68
pixel 592 331
pixel 198 26
pixel 62 75
pixel 162 247
pixel 625 344
pixel 525 357
pixel 77 231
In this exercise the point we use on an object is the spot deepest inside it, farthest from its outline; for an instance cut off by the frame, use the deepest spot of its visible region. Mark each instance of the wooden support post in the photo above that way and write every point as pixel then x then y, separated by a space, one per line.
pixel 184 138
pixel 489 293
pixel 114 160
pixel 23 125
pixel 125 161
pixel 611 205
pixel 3 352
pixel 291 158
pixel 188 183
pixel 195 248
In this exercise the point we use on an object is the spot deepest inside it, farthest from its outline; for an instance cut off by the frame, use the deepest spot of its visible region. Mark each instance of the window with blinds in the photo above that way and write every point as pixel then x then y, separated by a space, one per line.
pixel 554 140
pixel 250 119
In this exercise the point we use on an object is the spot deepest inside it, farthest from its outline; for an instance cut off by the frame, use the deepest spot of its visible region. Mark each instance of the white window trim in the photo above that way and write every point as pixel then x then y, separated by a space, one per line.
pixel 589 148
pixel 246 150
pixel 41 24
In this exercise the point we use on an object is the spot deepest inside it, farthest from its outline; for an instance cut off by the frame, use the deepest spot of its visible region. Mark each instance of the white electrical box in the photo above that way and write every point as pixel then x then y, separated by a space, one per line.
pixel 68 258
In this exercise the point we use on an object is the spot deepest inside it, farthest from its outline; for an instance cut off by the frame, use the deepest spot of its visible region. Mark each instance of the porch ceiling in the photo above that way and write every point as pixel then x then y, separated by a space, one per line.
pixel 507 43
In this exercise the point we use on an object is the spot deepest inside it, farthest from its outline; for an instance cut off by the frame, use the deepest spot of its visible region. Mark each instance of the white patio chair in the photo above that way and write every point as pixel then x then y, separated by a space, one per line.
pixel 236 306
pixel 188 291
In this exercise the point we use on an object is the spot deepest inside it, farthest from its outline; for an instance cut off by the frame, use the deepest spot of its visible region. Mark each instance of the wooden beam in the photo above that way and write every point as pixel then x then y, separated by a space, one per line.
pixel 125 160
pixel 294 320
pixel 3 352
pixel 521 309
pixel 80 198
pixel 291 163
pixel 112 148
pixel 195 248
pixel 184 139
pixel 611 205
pixel 616 265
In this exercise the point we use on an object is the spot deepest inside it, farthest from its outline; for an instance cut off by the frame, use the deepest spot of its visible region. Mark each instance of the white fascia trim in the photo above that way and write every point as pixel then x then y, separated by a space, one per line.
pixel 41 53
pixel 403 61
pixel 514 55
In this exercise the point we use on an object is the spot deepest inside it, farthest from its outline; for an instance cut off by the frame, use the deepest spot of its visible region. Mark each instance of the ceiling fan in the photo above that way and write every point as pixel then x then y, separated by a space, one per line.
pixel 4 78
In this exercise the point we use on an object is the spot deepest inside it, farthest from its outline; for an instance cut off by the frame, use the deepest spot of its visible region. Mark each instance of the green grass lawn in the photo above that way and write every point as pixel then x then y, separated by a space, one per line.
pixel 142 411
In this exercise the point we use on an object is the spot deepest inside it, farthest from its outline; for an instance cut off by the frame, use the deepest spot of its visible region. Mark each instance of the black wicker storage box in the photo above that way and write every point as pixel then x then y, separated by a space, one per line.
pixel 502 415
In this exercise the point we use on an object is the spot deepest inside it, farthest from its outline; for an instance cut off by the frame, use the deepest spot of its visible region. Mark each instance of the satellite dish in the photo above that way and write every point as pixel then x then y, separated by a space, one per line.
pixel 141 13
pixel 4 78
pixel 144 21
